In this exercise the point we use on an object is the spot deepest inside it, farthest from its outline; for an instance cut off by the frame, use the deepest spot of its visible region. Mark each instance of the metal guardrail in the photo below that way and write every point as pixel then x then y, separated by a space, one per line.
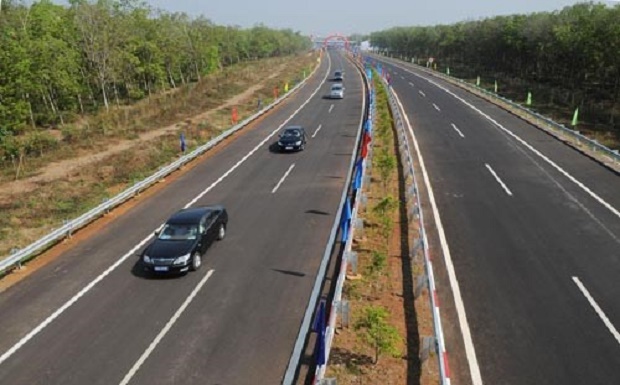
pixel 28 252
pixel 304 330
pixel 421 245
pixel 592 144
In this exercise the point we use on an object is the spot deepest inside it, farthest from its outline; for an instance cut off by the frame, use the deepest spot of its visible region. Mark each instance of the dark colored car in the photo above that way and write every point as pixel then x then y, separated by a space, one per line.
pixel 293 138
pixel 338 75
pixel 184 239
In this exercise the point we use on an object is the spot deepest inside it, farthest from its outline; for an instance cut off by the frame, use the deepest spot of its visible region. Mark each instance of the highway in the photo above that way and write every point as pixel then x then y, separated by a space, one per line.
pixel 527 250
pixel 92 317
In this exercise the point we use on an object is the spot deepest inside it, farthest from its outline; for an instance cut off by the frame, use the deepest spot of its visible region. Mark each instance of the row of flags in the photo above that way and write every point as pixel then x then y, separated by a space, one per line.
pixel 320 321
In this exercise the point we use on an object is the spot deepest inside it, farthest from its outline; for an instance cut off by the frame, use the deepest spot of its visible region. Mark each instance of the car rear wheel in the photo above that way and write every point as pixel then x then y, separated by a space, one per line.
pixel 221 232
pixel 196 261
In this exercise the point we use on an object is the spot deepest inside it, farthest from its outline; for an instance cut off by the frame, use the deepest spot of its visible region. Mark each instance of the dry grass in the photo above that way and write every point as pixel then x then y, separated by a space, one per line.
pixel 26 217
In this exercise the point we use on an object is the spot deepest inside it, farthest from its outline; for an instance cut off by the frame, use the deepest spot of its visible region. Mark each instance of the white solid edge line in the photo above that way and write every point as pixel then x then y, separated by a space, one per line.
pixel 283 178
pixel 436 107
pixel 68 304
pixel 597 309
pixel 498 179
pixel 470 351
pixel 525 144
pixel 317 130
pixel 457 130
pixel 99 278
pixel 331 108
pixel 134 369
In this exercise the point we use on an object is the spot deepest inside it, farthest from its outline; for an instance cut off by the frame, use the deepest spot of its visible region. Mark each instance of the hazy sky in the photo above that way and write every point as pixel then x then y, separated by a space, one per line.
pixel 321 17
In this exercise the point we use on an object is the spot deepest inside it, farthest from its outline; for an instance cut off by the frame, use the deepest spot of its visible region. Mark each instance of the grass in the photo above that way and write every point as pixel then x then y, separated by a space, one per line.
pixel 27 217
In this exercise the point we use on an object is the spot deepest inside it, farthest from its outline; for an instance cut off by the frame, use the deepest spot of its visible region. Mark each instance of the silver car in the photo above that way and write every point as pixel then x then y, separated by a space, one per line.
pixel 337 91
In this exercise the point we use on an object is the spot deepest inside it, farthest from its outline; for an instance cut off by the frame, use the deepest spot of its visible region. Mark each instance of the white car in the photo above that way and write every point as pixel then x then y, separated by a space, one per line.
pixel 337 91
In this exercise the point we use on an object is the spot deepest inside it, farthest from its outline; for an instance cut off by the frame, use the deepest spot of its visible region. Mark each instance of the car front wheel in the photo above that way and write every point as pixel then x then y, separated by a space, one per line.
pixel 196 261
pixel 221 232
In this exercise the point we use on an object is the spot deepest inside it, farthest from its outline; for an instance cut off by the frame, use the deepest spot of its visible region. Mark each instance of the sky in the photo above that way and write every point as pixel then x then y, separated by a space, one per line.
pixel 323 17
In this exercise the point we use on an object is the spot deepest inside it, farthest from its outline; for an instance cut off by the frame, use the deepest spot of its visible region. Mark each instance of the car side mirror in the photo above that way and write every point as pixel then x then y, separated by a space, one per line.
pixel 157 232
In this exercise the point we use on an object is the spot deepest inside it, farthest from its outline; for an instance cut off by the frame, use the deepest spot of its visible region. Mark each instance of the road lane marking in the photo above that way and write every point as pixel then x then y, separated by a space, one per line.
pixel 457 130
pixel 600 200
pixel 73 300
pixel 317 130
pixel 497 178
pixel 402 77
pixel 422 93
pixel 436 107
pixel 470 350
pixel 134 369
pixel 99 278
pixel 258 146
pixel 411 84
pixel 283 178
pixel 331 108
pixel 597 309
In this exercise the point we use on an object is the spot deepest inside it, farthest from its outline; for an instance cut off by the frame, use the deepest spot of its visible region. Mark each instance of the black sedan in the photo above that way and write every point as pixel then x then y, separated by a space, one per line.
pixel 183 240
pixel 293 138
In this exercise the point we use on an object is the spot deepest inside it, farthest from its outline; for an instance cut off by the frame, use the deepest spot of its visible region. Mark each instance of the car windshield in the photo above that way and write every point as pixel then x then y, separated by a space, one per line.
pixel 338 73
pixel 336 87
pixel 291 134
pixel 178 232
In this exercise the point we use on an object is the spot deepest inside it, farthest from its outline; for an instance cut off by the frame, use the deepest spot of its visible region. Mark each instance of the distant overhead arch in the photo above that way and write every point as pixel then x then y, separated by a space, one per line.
pixel 337 36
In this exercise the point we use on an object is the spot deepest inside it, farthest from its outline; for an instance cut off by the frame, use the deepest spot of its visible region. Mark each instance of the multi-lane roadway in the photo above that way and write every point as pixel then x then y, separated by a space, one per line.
pixel 527 245
pixel 91 316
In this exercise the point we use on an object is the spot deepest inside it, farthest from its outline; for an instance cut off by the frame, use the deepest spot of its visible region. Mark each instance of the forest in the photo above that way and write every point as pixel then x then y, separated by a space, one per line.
pixel 59 62
pixel 568 59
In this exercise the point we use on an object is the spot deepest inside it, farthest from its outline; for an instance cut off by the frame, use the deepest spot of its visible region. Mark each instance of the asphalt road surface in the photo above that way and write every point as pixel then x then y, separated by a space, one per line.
pixel 532 232
pixel 92 317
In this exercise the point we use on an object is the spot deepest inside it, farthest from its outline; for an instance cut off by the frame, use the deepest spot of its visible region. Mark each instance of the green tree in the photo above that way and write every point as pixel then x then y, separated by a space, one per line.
pixel 374 329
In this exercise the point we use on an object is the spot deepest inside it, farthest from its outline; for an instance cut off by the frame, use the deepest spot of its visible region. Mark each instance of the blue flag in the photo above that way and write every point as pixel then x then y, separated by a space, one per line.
pixel 359 169
pixel 182 142
pixel 346 218
pixel 320 343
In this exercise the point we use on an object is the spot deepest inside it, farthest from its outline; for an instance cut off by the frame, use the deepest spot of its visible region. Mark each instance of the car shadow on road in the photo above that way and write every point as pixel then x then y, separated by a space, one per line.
pixel 317 212
pixel 290 272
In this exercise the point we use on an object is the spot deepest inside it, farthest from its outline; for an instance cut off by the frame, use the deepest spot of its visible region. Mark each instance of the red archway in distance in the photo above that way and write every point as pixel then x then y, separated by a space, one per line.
pixel 340 37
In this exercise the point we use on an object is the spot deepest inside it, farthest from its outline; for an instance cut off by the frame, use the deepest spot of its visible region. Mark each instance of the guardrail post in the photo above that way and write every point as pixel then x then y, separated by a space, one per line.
pixel 70 230
pixel 429 347
pixel 358 224
pixel 107 209
pixel 351 258
pixel 343 309
pixel 13 251
pixel 420 283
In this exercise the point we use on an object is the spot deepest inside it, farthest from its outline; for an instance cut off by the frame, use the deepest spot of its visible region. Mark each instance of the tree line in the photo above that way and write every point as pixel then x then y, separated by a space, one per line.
pixel 573 55
pixel 57 62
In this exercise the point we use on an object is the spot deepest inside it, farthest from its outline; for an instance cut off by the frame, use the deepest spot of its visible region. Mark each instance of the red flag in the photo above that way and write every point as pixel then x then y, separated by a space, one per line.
pixel 235 115
pixel 365 142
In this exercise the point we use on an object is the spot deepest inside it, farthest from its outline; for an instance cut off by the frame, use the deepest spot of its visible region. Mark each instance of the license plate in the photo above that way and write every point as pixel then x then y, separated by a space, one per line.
pixel 288 148
pixel 161 268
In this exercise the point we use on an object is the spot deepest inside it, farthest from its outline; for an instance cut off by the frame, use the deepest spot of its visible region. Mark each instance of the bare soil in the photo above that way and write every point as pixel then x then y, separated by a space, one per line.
pixel 63 185
pixel 351 361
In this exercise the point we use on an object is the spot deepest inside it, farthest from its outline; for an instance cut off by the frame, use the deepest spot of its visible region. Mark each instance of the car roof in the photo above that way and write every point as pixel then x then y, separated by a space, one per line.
pixel 193 214
pixel 337 85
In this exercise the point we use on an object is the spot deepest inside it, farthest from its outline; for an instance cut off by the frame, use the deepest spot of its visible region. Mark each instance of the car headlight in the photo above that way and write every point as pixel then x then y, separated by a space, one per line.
pixel 182 260
pixel 280 143
pixel 147 259
pixel 298 143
